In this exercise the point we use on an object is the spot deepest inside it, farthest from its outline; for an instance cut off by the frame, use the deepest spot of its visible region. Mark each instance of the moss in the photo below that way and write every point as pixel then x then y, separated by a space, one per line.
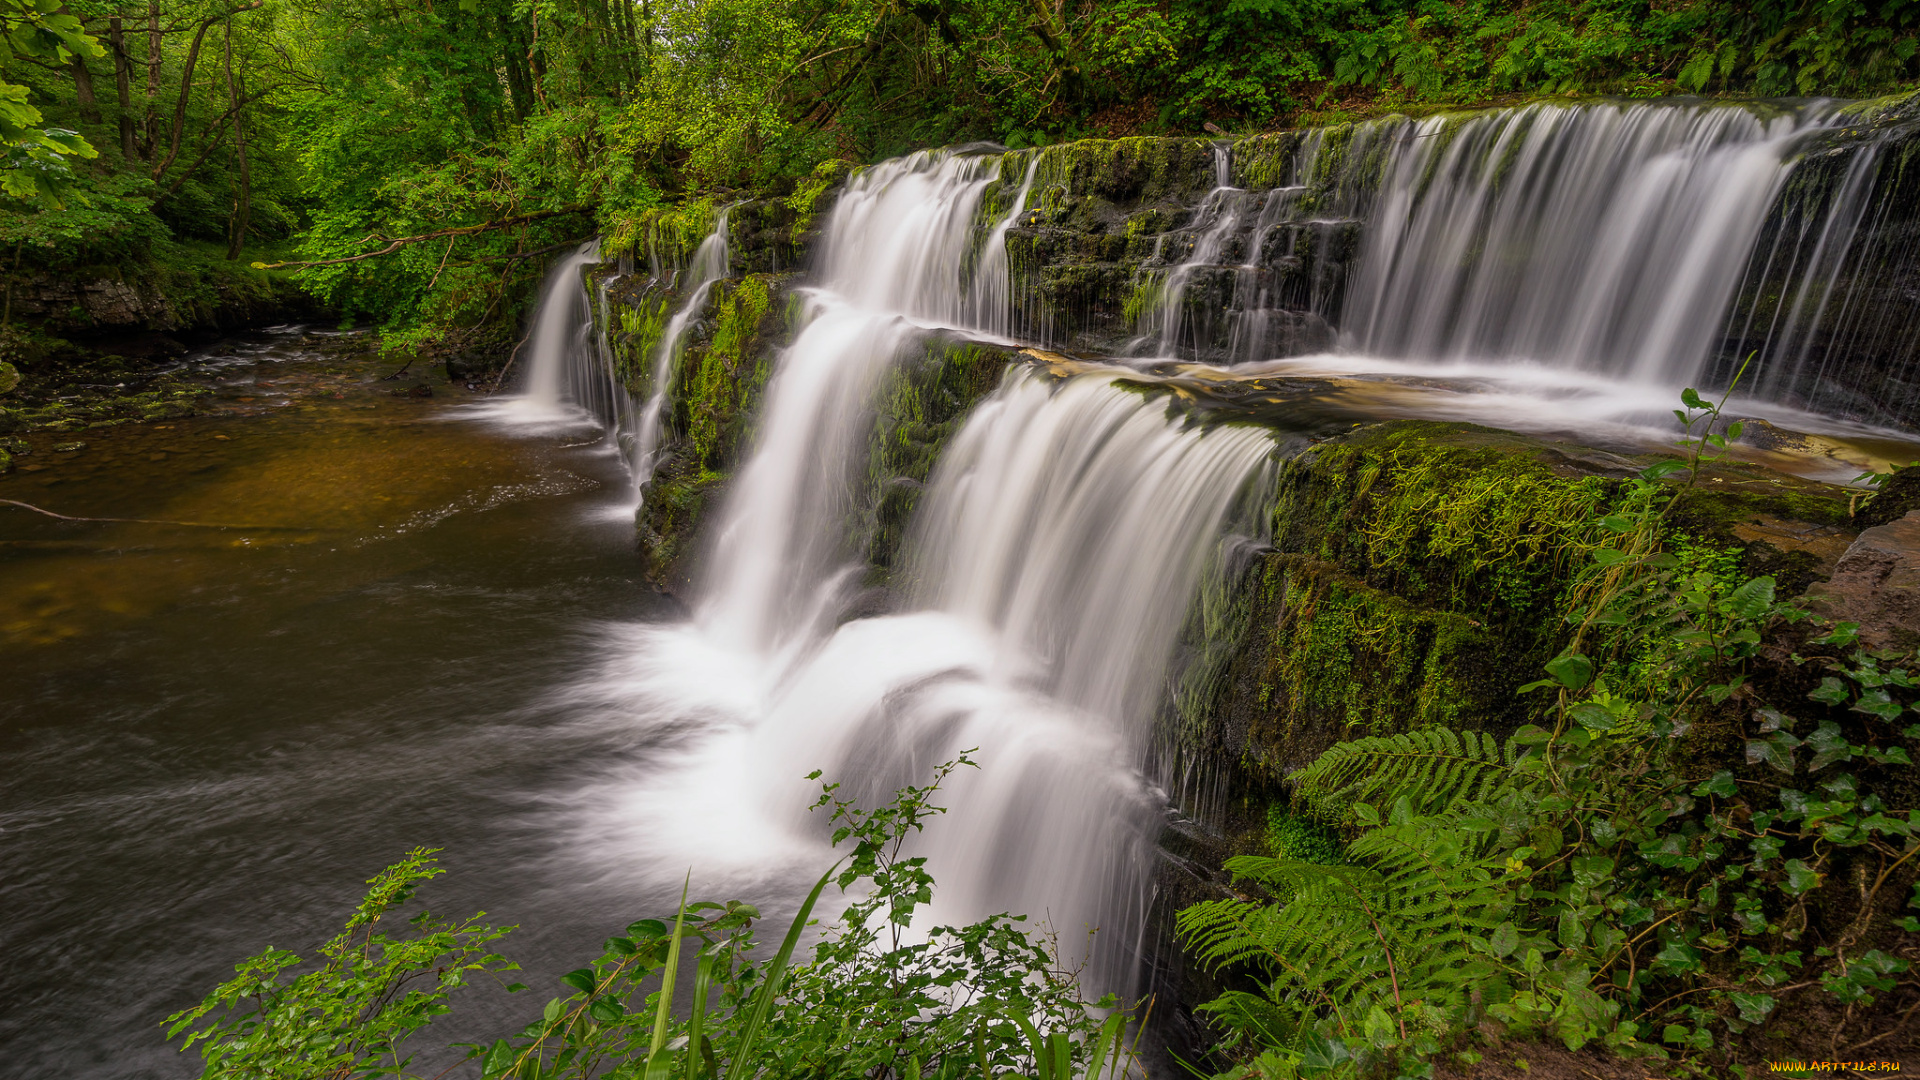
pixel 1447 515
pixel 810 197
pixel 1292 837
pixel 918 406
pixel 725 387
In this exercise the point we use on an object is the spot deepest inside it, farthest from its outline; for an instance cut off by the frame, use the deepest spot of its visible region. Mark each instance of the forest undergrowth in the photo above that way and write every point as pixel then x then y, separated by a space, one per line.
pixel 1704 852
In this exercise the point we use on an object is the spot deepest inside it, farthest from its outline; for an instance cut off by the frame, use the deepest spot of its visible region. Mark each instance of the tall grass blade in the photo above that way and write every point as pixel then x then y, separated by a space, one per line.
pixel 702 986
pixel 739 1068
pixel 663 1015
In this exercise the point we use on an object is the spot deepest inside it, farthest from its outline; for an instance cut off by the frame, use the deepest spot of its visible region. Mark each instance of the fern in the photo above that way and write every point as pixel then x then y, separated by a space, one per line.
pixel 1395 934
pixel 1433 769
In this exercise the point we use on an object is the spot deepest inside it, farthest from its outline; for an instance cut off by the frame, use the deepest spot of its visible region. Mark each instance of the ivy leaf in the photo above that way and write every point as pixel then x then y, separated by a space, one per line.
pixel 1591 870
pixel 1879 703
pixel 1776 750
pixel 1677 958
pixel 1828 745
pixel 1504 939
pixel 1801 878
pixel 1831 691
pixel 1754 1008
pixel 1721 784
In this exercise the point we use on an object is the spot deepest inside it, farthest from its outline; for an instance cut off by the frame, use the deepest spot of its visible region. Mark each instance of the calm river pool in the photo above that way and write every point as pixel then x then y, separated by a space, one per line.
pixel 214 735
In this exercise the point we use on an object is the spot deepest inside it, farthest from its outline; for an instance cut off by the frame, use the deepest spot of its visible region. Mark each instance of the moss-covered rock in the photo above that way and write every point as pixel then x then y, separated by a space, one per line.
pixel 920 403
pixel 1416 577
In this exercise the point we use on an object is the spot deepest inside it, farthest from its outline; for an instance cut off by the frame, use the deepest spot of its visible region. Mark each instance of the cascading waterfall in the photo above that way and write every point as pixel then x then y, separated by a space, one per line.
pixel 1013 643
pixel 1239 261
pixel 572 367
pixel 1604 238
pixel 1063 536
pixel 894 260
pixel 709 266
pixel 563 368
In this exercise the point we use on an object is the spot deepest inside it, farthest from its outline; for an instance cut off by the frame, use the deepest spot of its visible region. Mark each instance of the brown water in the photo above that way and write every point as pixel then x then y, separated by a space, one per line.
pixel 330 638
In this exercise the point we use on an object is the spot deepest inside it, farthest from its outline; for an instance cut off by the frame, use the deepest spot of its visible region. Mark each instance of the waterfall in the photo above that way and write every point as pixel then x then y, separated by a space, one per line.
pixel 563 369
pixel 709 265
pixel 1223 299
pixel 1599 237
pixel 572 365
pixel 1013 637
pixel 894 261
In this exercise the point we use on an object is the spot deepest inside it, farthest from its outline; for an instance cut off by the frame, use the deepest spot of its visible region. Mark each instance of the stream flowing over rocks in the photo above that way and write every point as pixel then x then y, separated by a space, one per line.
pixel 1084 456
pixel 1140 470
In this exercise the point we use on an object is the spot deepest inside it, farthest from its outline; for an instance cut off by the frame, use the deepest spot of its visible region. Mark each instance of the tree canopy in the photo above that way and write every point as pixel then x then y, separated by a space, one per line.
pixel 326 129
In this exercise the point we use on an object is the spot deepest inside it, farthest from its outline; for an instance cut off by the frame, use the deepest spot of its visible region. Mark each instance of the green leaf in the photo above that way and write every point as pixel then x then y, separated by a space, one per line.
pixel 1801 878
pixel 1691 399
pixel 1878 702
pixel 1752 599
pixel 743 1064
pixel 1504 939
pixel 1572 672
pixel 1319 1054
pixel 1753 1008
pixel 1831 691
pixel 1829 746
pixel 1592 870
pixel 1776 750
pixel 498 1060
pixel 581 979
pixel 1721 784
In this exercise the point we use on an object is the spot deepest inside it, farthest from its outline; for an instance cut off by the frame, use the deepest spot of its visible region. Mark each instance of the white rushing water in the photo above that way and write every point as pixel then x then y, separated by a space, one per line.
pixel 1012 638
pixel 563 374
pixel 710 264
pixel 1060 542
pixel 1598 237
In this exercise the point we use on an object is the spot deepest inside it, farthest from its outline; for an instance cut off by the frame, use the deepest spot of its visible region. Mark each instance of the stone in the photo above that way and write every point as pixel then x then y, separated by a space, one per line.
pixel 1877 584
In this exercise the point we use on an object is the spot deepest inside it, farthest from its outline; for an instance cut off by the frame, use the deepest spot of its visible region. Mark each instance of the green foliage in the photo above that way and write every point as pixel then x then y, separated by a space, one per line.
pixel 348 1016
pixel 981 999
pixel 1293 836
pixel 33 165
pixel 1613 882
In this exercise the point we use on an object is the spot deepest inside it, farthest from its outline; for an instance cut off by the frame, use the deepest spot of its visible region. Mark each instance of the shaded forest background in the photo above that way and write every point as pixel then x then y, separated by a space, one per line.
pixel 324 129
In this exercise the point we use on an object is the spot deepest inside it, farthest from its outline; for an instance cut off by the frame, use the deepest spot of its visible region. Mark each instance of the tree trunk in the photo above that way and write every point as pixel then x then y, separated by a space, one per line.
pixel 122 85
pixel 83 91
pixel 153 77
pixel 243 202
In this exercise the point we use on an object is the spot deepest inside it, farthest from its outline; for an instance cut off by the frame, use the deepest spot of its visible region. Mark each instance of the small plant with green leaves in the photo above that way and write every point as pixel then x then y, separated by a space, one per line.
pixel 347 1016
pixel 1585 878
pixel 876 999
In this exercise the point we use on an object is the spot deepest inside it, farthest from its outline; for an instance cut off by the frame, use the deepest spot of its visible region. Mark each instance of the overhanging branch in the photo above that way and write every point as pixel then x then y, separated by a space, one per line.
pixel 464 230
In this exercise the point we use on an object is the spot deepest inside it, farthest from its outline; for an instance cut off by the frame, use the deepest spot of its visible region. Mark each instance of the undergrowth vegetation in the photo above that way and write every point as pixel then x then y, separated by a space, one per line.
pixel 687 995
pixel 1711 819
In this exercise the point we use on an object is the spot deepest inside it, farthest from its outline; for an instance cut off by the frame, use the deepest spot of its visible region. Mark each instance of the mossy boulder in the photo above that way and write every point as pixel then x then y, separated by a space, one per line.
pixel 1417 575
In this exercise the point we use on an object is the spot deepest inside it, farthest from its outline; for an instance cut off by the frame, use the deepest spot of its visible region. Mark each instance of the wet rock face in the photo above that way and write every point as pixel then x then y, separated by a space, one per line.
pixel 1877 584
pixel 103 303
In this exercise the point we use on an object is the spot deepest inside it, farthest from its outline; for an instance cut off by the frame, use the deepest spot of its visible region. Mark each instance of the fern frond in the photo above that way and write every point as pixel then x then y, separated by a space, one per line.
pixel 1399 929
pixel 1432 768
